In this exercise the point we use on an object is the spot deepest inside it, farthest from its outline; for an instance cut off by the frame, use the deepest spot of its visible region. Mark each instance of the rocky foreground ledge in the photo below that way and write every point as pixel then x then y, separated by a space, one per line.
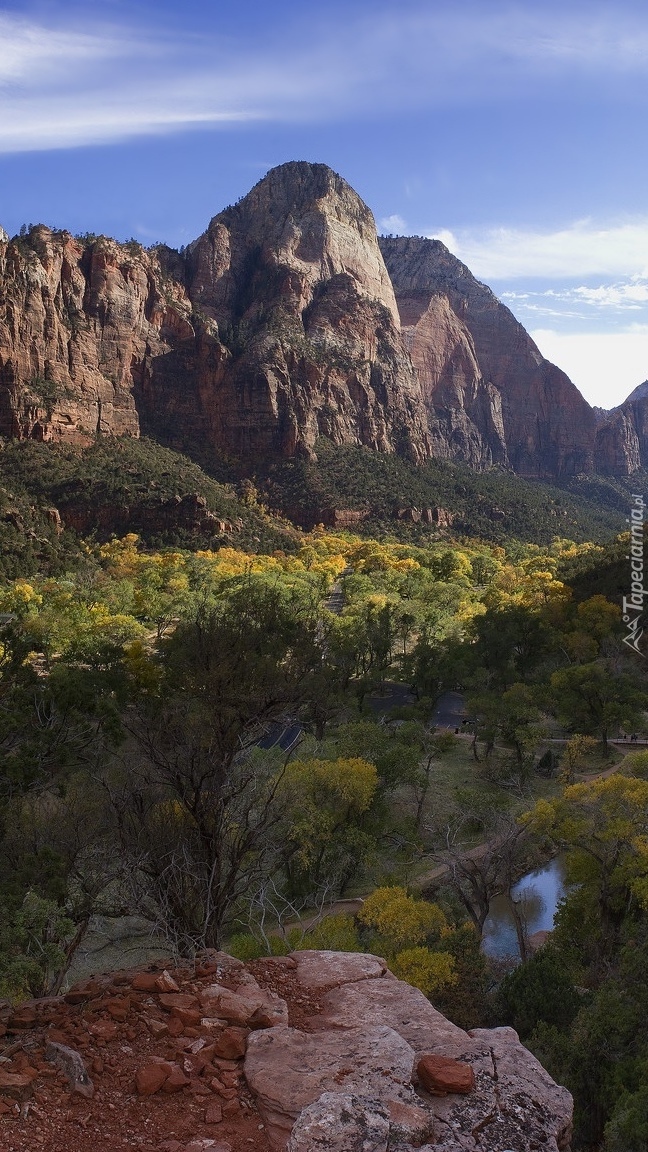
pixel 314 1052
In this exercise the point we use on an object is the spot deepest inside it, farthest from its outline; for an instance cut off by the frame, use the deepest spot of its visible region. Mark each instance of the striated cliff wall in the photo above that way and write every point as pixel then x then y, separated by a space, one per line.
pixel 285 321
pixel 484 380
pixel 278 325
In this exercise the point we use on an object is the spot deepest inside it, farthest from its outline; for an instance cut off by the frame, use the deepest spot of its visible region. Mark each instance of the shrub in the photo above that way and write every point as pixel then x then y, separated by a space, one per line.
pixel 429 971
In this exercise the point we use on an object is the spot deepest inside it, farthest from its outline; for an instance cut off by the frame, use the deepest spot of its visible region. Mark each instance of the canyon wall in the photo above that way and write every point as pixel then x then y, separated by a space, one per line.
pixel 288 320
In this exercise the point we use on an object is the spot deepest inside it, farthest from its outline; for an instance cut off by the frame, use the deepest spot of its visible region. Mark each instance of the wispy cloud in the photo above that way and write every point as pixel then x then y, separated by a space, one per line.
pixel 29 51
pixel 71 84
pixel 580 250
pixel 616 299
pixel 393 224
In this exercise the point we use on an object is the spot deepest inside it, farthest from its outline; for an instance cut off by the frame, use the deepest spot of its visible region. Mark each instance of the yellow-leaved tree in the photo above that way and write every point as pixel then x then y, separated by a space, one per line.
pixel 603 826
pixel 404 929
pixel 327 839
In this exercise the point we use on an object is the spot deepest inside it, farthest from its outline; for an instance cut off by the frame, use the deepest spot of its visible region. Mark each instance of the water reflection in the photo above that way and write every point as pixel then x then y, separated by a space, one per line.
pixel 538 894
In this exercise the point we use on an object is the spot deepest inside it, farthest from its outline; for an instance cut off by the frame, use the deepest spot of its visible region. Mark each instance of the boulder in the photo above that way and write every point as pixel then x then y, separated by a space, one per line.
pixel 71 1063
pixel 250 1006
pixel 231 1044
pixel 15 1085
pixel 182 1000
pixel 287 1070
pixel 399 1006
pixel 441 1075
pixel 340 1122
pixel 150 1077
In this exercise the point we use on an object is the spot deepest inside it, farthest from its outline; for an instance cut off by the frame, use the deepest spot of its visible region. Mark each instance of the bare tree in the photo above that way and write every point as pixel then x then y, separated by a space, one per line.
pixel 476 875
pixel 200 806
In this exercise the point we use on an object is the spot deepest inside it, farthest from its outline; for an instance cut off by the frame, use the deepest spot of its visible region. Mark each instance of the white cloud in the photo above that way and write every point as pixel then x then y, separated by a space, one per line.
pixel 73 83
pixel 392 224
pixel 619 296
pixel 614 295
pixel 581 249
pixel 606 367
pixel 28 50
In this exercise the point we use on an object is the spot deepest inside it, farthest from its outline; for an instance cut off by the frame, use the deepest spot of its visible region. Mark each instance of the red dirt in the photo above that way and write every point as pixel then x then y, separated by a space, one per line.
pixel 113 1026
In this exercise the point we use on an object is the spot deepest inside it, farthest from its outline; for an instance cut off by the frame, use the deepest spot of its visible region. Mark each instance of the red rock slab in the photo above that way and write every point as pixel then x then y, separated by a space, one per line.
pixel 221 1090
pixel 183 1000
pixel 320 969
pixel 213 1113
pixel 150 1078
pixel 175 1027
pixel 176 1080
pixel 189 1017
pixel 85 991
pixel 119 1009
pixel 146 982
pixel 231 1044
pixel 104 1029
pixel 16 1085
pixel 166 983
pixel 223 1004
pixel 442 1074
pixel 249 1006
pixel 21 1018
pixel 194 1062
pixel 157 1027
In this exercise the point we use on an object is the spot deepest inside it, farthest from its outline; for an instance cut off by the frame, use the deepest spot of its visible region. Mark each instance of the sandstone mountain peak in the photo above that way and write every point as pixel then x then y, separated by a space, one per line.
pixel 496 399
pixel 3 235
pixel 287 321
pixel 305 217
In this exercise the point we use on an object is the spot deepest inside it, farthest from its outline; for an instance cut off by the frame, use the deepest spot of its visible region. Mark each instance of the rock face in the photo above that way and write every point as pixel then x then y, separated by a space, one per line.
pixel 371 1035
pixel 73 318
pixel 491 396
pixel 293 281
pixel 622 436
pixel 285 321
pixel 277 326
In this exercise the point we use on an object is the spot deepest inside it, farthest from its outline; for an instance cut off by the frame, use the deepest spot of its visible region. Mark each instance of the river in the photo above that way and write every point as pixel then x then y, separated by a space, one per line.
pixel 538 893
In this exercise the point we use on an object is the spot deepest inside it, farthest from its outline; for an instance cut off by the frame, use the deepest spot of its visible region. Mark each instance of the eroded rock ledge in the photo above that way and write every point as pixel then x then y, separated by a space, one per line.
pixel 316 1052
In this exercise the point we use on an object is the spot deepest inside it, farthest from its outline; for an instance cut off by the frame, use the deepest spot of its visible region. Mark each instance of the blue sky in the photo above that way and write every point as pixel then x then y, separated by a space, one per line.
pixel 516 132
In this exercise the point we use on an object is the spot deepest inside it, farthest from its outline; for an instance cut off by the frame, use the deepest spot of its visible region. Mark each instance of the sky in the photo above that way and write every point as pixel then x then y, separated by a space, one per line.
pixel 513 131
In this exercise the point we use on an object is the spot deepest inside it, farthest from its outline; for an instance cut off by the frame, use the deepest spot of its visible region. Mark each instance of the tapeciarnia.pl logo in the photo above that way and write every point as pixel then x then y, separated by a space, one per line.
pixel 633 605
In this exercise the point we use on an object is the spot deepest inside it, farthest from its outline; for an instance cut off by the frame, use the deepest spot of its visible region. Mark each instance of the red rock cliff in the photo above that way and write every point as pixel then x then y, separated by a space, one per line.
pixel 278 326
pixel 485 382
pixel 286 321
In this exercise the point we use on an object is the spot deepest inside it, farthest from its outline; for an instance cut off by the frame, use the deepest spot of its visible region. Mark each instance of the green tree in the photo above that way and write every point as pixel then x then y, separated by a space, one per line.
pixel 325 841
pixel 199 807
pixel 596 699
pixel 603 826
pixel 541 990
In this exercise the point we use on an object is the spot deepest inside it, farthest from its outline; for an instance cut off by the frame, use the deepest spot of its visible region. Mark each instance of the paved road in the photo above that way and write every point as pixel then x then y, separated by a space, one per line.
pixel 284 736
pixel 392 695
pixel 335 600
pixel 449 711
